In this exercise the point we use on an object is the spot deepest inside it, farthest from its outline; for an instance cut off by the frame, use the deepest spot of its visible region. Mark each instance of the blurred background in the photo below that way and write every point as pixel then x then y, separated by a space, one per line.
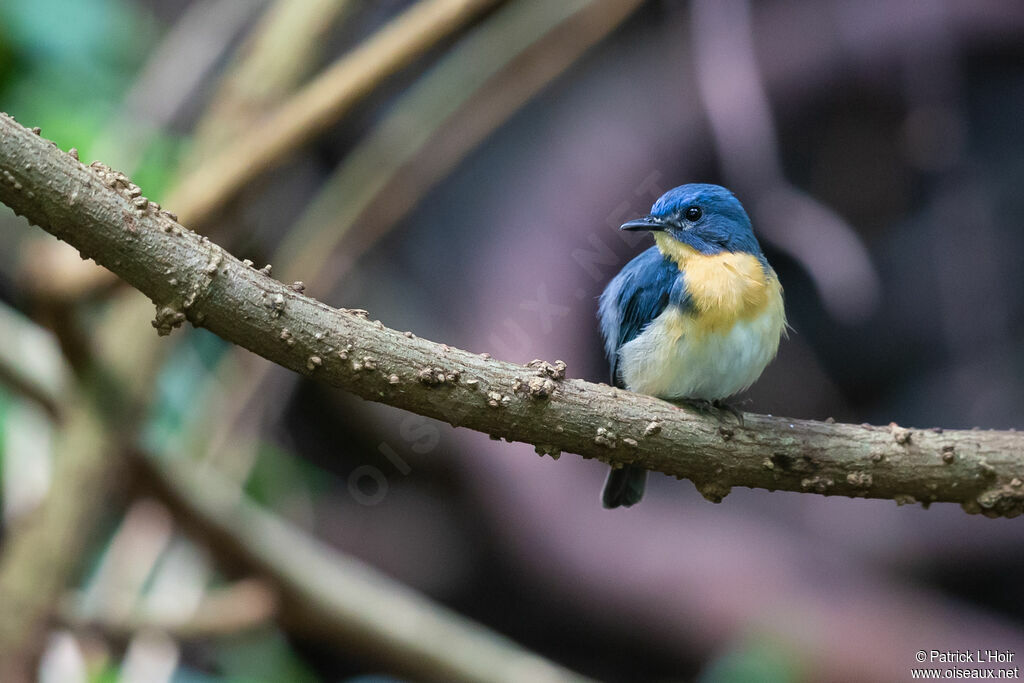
pixel 459 169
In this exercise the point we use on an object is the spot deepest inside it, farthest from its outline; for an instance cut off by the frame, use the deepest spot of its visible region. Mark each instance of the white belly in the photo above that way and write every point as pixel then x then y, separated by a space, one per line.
pixel 674 358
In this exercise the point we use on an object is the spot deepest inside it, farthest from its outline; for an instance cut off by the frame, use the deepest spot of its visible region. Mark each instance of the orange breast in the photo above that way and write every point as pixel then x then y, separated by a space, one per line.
pixel 724 288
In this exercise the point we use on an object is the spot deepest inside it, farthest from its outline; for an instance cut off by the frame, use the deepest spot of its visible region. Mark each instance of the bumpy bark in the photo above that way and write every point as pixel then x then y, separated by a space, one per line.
pixel 191 279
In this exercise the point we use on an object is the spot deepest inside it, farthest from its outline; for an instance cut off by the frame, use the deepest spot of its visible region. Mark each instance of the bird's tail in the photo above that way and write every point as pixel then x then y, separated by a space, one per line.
pixel 624 486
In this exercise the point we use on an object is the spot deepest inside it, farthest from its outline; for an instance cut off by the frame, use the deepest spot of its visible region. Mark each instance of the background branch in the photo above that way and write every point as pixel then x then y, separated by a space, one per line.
pixel 275 58
pixel 43 550
pixel 321 102
pixel 242 605
pixel 42 380
pixel 327 594
pixel 485 79
pixel 103 215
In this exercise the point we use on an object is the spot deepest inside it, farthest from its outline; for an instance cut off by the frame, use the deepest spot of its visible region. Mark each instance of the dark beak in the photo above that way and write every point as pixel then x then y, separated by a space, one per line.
pixel 645 223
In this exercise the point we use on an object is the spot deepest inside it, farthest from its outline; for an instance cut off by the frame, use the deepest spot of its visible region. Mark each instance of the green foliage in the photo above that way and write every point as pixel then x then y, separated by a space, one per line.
pixel 65 66
pixel 278 475
pixel 159 164
pixel 263 655
pixel 185 376
pixel 107 673
pixel 74 59
pixel 755 659
pixel 85 31
pixel 186 675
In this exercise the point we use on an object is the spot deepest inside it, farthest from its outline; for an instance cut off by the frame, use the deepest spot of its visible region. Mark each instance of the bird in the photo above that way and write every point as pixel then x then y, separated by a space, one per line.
pixel 695 318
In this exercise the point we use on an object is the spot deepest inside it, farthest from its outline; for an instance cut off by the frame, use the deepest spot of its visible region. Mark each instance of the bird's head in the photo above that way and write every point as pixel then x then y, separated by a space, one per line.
pixel 706 218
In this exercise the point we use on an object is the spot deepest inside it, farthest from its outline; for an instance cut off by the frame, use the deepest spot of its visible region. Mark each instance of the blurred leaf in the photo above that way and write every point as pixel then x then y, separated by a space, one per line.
pixel 183 378
pixel 157 168
pixel 108 673
pixel 8 58
pixel 263 655
pixel 74 60
pixel 753 660
pixel 186 675
pixel 277 475
pixel 66 118
pixel 75 30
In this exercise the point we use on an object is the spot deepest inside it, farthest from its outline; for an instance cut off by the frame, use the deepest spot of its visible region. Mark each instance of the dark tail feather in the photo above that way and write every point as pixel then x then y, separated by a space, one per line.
pixel 624 486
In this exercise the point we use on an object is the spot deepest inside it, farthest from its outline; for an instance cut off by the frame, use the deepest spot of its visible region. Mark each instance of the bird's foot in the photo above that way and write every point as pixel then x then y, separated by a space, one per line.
pixel 701 405
pixel 705 407
pixel 730 407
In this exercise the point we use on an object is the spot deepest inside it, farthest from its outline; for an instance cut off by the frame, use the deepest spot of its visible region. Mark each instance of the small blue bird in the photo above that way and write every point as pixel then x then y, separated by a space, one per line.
pixel 697 316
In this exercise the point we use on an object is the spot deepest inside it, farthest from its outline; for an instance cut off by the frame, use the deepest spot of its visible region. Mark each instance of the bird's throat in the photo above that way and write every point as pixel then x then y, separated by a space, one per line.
pixel 672 248
pixel 724 287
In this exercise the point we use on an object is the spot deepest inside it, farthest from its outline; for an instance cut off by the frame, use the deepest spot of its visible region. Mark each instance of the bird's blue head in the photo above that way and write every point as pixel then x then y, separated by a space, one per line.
pixel 706 218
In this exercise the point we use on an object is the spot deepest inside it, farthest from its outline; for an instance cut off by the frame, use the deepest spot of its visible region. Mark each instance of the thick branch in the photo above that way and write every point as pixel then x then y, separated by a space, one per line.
pixel 188 277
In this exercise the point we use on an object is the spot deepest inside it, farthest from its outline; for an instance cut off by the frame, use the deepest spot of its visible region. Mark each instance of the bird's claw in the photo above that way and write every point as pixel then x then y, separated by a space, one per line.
pixel 704 407
pixel 732 408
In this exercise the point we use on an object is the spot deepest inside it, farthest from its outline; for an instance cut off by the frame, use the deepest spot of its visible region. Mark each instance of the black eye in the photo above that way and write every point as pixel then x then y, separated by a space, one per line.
pixel 693 214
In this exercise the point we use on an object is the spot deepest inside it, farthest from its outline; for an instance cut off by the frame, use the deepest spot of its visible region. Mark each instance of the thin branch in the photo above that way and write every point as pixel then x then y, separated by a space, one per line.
pixel 477 86
pixel 15 380
pixel 321 102
pixel 190 278
pixel 735 96
pixel 53 278
pixel 324 593
pixel 30 362
pixel 174 71
pixel 272 61
pixel 264 69
pixel 45 548
pixel 241 606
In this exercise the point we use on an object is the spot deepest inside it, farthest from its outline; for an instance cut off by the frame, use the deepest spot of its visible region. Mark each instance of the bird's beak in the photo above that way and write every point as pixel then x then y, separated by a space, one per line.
pixel 645 223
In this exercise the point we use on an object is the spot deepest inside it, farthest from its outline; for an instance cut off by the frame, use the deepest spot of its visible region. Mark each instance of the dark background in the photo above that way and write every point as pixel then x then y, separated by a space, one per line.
pixel 879 147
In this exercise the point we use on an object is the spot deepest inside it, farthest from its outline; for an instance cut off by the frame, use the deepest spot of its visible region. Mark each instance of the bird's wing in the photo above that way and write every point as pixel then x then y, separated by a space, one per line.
pixel 635 297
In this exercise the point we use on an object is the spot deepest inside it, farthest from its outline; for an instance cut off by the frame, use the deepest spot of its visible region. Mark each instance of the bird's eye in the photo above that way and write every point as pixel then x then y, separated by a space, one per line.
pixel 693 214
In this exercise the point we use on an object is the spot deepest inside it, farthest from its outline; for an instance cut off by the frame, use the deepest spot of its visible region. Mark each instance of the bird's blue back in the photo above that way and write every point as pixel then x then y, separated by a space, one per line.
pixel 698 316
pixel 637 295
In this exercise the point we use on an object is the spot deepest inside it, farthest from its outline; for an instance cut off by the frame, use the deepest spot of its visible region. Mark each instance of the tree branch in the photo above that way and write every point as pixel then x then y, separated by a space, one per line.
pixel 322 101
pixel 43 549
pixel 246 604
pixel 189 278
pixel 488 76
pixel 30 362
pixel 265 69
pixel 324 593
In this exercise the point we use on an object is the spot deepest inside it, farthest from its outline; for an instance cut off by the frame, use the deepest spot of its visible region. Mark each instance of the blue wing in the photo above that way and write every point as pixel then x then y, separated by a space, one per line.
pixel 635 297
